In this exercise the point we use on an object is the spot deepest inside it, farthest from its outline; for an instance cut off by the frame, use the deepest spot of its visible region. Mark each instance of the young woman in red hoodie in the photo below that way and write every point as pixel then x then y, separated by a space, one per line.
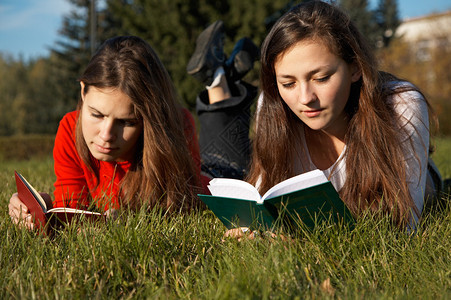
pixel 129 143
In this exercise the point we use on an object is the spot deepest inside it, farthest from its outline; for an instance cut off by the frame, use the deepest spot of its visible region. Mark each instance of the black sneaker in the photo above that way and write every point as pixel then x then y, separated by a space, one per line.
pixel 242 59
pixel 209 53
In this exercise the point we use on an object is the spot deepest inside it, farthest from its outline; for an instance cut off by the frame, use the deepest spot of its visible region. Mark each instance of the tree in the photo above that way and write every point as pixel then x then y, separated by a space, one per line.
pixel 387 21
pixel 13 90
pixel 26 104
pixel 35 95
pixel 377 26
pixel 360 14
pixel 172 26
pixel 44 111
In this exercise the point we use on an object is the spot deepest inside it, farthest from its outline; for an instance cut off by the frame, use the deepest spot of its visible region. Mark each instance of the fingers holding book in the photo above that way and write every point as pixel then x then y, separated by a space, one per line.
pixel 18 212
pixel 241 233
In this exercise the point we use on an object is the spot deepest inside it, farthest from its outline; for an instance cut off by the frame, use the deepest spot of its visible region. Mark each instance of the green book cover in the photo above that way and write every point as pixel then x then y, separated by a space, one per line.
pixel 235 213
pixel 307 198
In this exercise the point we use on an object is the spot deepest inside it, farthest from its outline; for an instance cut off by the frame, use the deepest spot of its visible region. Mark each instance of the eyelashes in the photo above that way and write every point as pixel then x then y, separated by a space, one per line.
pixel 290 85
pixel 323 79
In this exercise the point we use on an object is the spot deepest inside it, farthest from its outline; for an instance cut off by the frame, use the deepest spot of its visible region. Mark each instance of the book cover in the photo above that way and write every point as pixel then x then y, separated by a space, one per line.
pixel 42 211
pixel 308 198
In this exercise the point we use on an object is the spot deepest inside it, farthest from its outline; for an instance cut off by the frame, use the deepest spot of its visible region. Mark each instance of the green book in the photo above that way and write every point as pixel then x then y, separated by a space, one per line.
pixel 308 198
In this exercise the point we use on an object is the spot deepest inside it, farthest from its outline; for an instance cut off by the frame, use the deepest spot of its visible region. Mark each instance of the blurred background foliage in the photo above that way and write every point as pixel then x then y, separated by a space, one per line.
pixel 35 94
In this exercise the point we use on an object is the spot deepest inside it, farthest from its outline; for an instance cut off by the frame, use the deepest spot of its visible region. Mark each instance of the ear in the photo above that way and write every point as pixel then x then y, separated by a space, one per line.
pixel 82 88
pixel 356 72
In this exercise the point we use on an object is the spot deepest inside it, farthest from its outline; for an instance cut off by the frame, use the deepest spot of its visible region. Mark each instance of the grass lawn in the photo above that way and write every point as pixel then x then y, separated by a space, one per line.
pixel 153 256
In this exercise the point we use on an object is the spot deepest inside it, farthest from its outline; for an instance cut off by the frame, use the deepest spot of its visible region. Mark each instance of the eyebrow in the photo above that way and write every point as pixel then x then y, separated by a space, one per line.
pixel 134 118
pixel 310 73
pixel 93 109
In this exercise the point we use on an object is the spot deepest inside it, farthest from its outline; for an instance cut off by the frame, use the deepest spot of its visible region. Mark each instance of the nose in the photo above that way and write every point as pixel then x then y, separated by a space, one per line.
pixel 107 131
pixel 306 94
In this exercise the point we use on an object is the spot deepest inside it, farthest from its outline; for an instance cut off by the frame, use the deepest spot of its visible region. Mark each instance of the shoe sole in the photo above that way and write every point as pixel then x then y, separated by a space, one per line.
pixel 197 61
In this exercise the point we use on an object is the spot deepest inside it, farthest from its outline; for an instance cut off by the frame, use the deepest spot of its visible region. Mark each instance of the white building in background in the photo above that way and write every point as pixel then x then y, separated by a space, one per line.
pixel 426 33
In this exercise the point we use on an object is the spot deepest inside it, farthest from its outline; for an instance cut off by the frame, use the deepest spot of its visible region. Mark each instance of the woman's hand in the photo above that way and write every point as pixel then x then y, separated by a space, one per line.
pixel 112 214
pixel 245 232
pixel 239 233
pixel 19 213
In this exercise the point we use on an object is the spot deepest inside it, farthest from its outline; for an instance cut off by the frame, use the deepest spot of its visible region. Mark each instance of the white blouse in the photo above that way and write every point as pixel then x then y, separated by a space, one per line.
pixel 412 110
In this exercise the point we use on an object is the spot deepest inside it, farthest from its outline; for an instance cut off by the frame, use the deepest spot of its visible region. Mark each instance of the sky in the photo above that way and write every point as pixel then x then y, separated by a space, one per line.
pixel 28 28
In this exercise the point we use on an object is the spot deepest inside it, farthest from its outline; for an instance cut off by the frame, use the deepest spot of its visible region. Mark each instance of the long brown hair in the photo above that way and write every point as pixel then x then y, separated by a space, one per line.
pixel 162 172
pixel 375 166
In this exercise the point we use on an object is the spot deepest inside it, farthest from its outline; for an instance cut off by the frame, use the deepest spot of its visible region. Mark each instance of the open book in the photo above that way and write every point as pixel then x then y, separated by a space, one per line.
pixel 42 211
pixel 307 198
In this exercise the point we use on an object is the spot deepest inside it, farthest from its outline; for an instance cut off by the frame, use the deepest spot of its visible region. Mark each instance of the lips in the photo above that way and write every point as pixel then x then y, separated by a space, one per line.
pixel 312 113
pixel 104 150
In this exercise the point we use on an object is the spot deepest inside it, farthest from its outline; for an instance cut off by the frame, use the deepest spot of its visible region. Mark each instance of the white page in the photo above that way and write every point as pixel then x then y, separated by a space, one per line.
pixel 295 183
pixel 233 188
pixel 72 210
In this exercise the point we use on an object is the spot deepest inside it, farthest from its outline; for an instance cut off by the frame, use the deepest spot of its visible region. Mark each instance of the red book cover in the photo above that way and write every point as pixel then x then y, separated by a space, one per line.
pixel 42 210
pixel 31 198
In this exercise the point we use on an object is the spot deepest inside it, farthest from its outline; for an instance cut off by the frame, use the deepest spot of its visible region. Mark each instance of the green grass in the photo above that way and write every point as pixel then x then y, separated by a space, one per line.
pixel 153 256
pixel 442 156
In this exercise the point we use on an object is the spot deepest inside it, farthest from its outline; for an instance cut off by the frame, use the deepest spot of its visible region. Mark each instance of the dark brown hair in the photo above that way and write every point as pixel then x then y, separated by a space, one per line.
pixel 375 166
pixel 163 172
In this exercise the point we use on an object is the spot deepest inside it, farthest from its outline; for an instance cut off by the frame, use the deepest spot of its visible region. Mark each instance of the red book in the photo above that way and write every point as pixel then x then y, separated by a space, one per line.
pixel 42 211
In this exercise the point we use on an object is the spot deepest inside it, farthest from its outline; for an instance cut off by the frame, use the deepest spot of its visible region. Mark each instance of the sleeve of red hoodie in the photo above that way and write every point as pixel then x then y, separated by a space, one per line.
pixel 70 185
pixel 193 144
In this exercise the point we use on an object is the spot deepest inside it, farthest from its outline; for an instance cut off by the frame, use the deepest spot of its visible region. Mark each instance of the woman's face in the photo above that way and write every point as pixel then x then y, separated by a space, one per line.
pixel 110 127
pixel 315 84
